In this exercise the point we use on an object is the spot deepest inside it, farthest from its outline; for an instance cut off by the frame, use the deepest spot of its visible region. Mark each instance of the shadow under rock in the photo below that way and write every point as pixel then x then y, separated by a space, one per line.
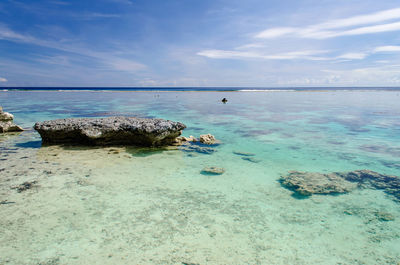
pixel 30 144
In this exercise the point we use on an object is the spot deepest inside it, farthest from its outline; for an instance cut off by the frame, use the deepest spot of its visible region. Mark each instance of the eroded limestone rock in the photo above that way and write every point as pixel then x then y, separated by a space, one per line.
pixel 7 124
pixel 208 139
pixel 110 131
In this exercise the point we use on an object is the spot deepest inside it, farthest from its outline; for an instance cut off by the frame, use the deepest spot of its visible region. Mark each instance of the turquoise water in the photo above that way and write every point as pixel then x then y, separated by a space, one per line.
pixel 118 205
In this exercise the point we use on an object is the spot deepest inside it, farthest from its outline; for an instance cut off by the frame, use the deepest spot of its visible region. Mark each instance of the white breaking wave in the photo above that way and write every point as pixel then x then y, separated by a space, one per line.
pixel 265 90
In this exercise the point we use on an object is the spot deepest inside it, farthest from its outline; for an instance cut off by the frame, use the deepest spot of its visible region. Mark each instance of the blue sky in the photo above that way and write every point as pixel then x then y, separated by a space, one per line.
pixel 252 43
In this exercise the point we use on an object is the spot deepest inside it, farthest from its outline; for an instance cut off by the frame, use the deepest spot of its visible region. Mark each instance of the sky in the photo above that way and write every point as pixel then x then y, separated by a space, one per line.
pixel 195 43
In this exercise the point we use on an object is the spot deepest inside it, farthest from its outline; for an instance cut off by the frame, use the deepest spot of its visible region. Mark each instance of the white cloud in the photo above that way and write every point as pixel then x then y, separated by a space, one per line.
pixel 371 29
pixel 313 55
pixel 221 54
pixel 387 49
pixel 275 32
pixel 224 54
pixel 337 27
pixel 353 56
pixel 362 20
pixel 2 79
pixel 251 46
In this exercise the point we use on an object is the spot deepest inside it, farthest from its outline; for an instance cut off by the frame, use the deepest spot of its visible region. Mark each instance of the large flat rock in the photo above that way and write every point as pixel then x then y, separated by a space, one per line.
pixel 109 131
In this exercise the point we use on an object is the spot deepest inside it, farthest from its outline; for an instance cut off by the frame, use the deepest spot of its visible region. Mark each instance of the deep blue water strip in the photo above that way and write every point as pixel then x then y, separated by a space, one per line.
pixel 199 88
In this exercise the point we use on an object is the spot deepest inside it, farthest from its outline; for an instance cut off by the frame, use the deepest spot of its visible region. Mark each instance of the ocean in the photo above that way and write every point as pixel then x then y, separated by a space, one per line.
pixel 130 205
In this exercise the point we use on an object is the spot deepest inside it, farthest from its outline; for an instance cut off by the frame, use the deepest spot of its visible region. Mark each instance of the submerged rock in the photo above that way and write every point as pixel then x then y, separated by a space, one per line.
pixel 308 183
pixel 191 144
pixel 7 124
pixel 239 153
pixel 384 216
pixel 198 148
pixel 110 131
pixel 213 171
pixel 367 178
pixel 25 186
pixel 251 159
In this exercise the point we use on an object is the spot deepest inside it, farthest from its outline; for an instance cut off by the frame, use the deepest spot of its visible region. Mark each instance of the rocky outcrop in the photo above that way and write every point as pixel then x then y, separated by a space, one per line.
pixel 110 131
pixel 308 183
pixel 7 124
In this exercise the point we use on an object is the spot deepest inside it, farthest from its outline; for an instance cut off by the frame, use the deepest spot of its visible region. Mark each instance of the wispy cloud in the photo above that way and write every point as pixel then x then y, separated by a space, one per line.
pixel 105 58
pixel 313 55
pixel 387 49
pixel 225 54
pixel 2 79
pixel 353 56
pixel 91 16
pixel 126 65
pixel 355 25
pixel 126 2
pixel 339 27
pixel 58 2
pixel 8 34
pixel 250 46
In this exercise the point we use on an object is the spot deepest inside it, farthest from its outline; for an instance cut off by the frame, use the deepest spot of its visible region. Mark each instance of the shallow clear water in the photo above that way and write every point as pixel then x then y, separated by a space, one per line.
pixel 119 205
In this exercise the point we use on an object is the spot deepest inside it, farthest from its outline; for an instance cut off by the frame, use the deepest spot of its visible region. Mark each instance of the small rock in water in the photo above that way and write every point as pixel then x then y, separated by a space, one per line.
pixel 239 153
pixel 251 159
pixel 213 171
pixel 7 124
pixel 208 139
